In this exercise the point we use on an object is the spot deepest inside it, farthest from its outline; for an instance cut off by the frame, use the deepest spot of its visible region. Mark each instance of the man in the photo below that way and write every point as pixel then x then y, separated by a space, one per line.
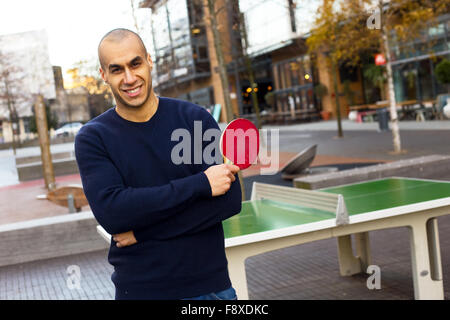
pixel 168 241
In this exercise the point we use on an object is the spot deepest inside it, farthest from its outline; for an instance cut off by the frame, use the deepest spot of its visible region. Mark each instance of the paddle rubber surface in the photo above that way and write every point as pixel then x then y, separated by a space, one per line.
pixel 239 143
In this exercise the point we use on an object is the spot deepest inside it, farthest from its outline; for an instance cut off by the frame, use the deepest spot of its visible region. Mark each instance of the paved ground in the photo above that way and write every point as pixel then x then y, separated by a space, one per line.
pixel 18 201
pixel 308 271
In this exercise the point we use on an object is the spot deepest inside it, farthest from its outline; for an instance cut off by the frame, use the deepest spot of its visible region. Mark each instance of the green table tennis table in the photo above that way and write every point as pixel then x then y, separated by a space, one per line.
pixel 278 217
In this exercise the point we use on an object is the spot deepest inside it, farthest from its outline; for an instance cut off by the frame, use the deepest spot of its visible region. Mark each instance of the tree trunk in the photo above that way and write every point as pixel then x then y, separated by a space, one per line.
pixel 391 93
pixel 44 142
pixel 220 59
pixel 222 73
pixel 336 93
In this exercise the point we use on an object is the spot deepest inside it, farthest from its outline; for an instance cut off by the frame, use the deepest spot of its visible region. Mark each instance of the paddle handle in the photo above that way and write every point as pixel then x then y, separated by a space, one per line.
pixel 227 161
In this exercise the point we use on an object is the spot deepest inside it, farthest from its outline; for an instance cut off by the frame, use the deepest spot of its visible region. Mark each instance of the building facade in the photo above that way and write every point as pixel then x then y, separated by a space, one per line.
pixel 414 62
pixel 25 71
pixel 186 64
pixel 180 50
pixel 271 35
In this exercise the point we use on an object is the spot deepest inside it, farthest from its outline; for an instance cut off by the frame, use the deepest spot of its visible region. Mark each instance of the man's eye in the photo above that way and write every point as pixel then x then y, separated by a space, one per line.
pixel 135 64
pixel 116 70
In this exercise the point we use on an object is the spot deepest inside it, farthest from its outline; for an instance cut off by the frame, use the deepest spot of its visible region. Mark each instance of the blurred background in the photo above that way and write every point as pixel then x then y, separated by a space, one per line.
pixel 285 61
pixel 348 84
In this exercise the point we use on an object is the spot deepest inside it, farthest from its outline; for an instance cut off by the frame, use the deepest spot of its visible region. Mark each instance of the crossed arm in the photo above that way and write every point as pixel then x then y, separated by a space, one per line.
pixel 220 178
pixel 152 207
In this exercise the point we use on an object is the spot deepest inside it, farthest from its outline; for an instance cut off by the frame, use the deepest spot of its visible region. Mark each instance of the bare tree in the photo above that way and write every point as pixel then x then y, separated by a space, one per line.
pixel 133 14
pixel 12 97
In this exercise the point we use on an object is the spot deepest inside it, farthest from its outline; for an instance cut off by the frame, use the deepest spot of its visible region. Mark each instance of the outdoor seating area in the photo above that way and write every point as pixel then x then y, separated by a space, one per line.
pixel 285 117
pixel 406 110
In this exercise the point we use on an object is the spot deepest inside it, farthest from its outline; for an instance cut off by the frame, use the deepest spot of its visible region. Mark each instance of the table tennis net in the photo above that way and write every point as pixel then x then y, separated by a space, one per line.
pixel 325 201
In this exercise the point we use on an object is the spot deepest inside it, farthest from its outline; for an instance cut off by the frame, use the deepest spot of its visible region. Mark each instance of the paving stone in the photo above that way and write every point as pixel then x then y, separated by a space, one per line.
pixel 309 271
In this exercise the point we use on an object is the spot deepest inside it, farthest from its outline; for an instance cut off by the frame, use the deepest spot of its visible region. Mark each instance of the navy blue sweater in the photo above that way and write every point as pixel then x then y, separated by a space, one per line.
pixel 131 183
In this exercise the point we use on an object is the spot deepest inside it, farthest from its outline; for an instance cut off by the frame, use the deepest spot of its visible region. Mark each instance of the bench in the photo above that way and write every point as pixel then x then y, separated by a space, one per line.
pixel 406 110
pixel 70 196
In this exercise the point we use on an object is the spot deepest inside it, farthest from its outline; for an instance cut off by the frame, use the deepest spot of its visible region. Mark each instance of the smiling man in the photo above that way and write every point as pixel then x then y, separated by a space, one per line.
pixel 168 241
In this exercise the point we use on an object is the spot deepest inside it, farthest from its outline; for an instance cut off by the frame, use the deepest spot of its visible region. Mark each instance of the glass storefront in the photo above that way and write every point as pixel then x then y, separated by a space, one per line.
pixel 415 80
pixel 294 95
pixel 414 63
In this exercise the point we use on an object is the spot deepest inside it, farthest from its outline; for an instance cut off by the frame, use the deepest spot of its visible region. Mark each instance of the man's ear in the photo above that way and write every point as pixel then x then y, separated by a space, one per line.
pixel 102 73
pixel 149 60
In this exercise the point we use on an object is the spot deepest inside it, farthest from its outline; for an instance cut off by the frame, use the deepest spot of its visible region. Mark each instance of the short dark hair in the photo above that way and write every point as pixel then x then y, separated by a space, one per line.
pixel 118 34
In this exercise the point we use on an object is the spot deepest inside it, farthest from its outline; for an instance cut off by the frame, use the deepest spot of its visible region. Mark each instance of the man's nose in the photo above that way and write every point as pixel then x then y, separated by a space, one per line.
pixel 129 77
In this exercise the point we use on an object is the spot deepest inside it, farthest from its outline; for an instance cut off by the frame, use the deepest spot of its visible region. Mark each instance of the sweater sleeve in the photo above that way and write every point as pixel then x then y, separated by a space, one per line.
pixel 200 213
pixel 119 208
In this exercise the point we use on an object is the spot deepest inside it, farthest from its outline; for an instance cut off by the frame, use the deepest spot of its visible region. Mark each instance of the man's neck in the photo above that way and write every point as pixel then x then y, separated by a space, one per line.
pixel 141 114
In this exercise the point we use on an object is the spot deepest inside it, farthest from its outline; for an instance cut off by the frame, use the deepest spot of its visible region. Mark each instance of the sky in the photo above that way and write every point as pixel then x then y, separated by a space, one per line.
pixel 74 27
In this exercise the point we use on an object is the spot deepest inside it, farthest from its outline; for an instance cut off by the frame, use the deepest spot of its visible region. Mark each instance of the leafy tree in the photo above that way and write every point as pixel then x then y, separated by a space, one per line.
pixel 377 75
pixel 442 72
pixel 85 74
pixel 343 33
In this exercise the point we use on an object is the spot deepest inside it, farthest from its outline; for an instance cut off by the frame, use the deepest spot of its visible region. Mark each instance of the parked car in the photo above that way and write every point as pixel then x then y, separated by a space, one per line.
pixel 69 129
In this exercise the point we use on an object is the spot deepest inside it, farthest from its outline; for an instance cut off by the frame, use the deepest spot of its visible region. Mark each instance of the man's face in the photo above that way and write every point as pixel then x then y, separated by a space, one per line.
pixel 127 69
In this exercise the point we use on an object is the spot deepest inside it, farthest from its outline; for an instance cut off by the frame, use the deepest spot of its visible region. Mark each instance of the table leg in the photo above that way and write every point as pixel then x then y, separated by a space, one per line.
pixel 434 249
pixel 363 249
pixel 348 263
pixel 236 270
pixel 425 288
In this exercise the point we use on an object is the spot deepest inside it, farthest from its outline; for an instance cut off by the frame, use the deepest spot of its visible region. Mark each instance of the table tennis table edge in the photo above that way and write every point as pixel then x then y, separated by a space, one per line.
pixel 399 210
pixel 331 223
pixel 379 179
pixel 105 235
pixel 279 233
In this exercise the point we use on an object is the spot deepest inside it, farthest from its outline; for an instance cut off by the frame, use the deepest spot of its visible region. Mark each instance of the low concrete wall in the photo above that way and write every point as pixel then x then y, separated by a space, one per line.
pixel 38 158
pixel 33 170
pixel 49 238
pixel 427 167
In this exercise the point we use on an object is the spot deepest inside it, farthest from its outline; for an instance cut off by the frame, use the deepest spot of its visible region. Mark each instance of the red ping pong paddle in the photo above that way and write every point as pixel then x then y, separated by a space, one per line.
pixel 239 143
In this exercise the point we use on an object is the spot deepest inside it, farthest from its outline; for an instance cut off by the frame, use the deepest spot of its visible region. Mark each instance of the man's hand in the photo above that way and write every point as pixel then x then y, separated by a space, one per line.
pixel 124 239
pixel 220 177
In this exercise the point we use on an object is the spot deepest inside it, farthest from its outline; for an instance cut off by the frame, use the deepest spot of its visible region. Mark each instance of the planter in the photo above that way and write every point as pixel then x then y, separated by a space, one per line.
pixel 325 115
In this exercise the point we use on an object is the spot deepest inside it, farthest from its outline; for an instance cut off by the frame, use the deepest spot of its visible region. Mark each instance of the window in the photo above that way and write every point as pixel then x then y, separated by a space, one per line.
pixel 179 43
pixel 263 29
